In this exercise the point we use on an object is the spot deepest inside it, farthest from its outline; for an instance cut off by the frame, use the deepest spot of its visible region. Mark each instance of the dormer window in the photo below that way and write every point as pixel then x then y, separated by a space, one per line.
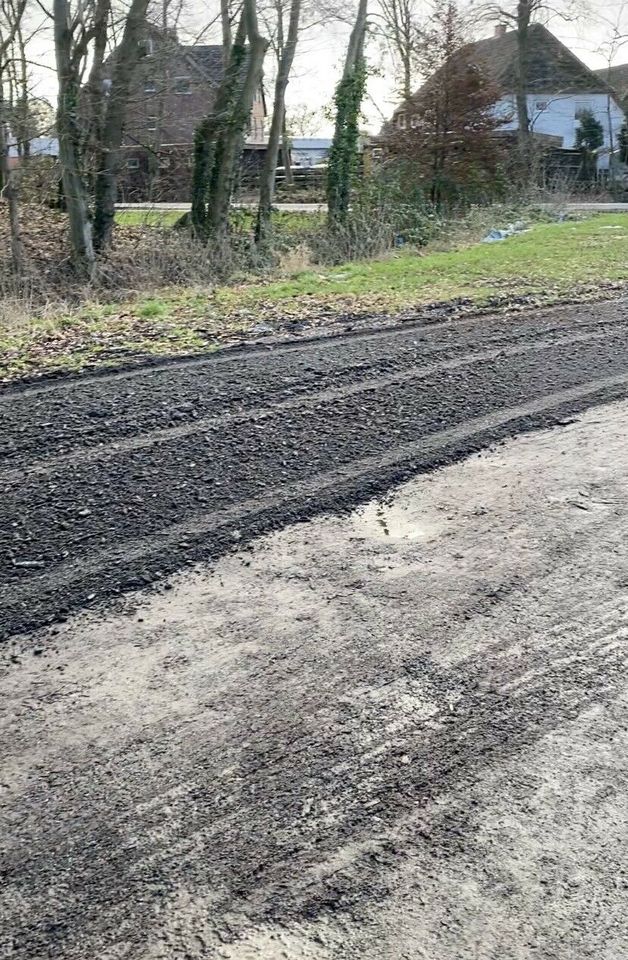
pixel 182 85
pixel 401 121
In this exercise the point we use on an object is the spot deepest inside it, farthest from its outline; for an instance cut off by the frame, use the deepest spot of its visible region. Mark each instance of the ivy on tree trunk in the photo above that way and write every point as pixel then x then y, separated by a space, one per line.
pixel 219 138
pixel 343 154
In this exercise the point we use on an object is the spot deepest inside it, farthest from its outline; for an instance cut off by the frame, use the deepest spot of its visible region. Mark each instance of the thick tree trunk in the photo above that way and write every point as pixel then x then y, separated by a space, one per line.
pixel 74 186
pixel 221 186
pixel 343 152
pixel 521 93
pixel 277 127
pixel 112 131
pixel 208 134
pixel 219 140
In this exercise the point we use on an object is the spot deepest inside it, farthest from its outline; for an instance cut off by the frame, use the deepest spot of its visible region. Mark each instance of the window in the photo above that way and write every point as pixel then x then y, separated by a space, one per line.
pixel 133 163
pixel 182 85
pixel 401 121
pixel 164 163
pixel 582 107
pixel 541 105
pixel 151 123
pixel 150 86
pixel 149 46
pixel 414 121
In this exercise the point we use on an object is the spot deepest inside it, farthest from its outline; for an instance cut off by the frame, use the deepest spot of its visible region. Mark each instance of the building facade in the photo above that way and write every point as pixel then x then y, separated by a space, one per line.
pixel 174 88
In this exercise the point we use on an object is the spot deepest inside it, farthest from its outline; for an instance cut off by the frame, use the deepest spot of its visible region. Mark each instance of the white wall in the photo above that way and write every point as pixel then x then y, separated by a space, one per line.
pixel 559 116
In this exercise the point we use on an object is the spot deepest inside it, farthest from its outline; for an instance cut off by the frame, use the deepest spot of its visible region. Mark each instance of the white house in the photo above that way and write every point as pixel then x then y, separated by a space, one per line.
pixel 560 88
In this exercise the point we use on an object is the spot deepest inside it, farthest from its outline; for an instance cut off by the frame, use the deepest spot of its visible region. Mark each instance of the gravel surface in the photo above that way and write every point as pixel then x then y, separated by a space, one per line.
pixel 397 734
pixel 109 482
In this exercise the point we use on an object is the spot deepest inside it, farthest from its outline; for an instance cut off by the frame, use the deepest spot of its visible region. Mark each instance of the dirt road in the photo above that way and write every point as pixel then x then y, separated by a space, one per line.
pixel 112 481
pixel 396 732
pixel 402 733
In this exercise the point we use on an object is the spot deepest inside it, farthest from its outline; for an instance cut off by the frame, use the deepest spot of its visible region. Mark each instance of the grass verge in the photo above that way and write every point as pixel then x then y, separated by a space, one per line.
pixel 549 263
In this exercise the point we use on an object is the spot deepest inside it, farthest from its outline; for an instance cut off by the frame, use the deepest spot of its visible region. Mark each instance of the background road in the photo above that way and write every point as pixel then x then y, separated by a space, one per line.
pixel 109 482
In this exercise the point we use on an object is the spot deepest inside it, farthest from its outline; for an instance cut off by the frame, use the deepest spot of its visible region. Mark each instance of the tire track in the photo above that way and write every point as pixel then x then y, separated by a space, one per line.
pixel 328 395
pixel 353 474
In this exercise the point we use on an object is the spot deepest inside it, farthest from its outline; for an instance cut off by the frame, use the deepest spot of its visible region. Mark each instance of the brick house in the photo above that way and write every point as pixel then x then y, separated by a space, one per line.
pixel 174 88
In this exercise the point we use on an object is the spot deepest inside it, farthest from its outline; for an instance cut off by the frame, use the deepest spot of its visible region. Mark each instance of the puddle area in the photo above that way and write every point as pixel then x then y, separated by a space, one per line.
pixel 398 519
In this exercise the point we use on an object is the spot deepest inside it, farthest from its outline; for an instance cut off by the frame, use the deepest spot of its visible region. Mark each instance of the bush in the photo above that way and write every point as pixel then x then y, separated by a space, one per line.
pixel 383 214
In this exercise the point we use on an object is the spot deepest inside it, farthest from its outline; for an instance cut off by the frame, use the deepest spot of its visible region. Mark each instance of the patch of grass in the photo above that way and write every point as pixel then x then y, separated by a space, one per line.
pixel 549 260
pixel 286 223
pixel 152 308
pixel 548 263
pixel 148 218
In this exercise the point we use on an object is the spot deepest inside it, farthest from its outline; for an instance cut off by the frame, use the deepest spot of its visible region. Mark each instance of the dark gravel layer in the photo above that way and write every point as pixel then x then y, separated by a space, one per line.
pixel 113 481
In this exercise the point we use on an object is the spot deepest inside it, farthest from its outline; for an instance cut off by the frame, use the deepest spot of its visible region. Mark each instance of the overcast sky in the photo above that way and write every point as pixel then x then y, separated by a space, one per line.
pixel 319 60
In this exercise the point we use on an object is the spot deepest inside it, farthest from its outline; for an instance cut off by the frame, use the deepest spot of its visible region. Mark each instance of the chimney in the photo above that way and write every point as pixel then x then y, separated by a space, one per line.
pixel 500 29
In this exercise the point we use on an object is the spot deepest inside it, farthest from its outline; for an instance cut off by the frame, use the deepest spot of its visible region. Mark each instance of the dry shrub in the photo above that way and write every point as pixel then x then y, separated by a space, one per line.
pixel 295 260
pixel 143 259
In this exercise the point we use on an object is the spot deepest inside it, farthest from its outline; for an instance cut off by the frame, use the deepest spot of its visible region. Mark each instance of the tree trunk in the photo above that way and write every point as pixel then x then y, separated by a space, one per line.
pixel 288 177
pixel 112 132
pixel 343 152
pixel 208 134
pixel 69 136
pixel 10 193
pixel 277 127
pixel 219 140
pixel 225 21
pixel 521 93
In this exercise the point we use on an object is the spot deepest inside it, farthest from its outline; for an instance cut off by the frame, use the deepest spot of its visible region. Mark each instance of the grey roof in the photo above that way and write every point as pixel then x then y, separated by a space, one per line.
pixel 552 67
pixel 617 77
pixel 206 57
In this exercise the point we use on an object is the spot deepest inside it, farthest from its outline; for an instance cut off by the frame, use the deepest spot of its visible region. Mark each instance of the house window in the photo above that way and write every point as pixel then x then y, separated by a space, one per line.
pixel 164 163
pixel 151 123
pixel 582 107
pixel 182 85
pixel 414 121
pixel 541 105
pixel 133 163
pixel 401 121
pixel 150 86
pixel 149 46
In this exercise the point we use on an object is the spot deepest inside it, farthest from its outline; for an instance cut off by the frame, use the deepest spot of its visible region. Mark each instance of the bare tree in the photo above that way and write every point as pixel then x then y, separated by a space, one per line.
pixel 443 137
pixel 278 123
pixel 114 116
pixel 11 14
pixel 398 22
pixel 73 32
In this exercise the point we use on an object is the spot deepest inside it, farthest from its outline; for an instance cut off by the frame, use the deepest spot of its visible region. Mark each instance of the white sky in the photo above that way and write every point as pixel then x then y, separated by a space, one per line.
pixel 319 60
